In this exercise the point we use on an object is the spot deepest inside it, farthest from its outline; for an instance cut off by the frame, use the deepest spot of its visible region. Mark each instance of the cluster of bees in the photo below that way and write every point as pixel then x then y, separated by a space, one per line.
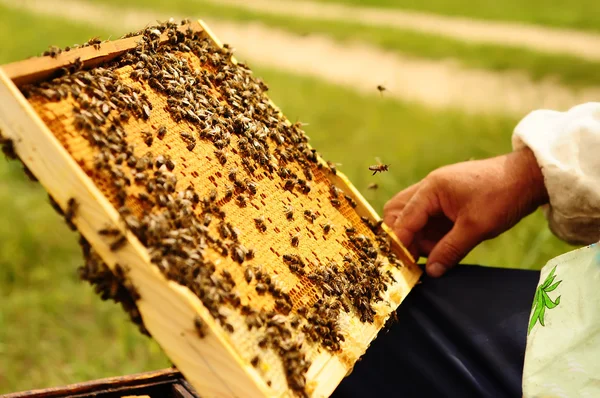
pixel 178 223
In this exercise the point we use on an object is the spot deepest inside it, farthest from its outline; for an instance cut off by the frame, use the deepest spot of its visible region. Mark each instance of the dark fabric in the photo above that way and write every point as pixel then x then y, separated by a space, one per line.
pixel 461 335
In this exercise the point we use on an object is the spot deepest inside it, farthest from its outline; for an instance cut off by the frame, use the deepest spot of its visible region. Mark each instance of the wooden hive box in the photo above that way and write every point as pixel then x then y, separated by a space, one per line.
pixel 259 269
pixel 166 383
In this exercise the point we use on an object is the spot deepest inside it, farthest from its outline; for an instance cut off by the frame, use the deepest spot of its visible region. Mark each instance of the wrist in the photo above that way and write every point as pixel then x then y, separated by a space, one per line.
pixel 533 178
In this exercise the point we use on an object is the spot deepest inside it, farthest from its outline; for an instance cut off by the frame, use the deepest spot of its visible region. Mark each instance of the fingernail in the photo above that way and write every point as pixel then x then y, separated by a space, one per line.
pixel 436 270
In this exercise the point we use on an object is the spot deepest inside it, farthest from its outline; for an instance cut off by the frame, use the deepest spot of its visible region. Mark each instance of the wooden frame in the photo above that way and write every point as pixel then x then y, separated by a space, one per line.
pixel 168 309
pixel 167 383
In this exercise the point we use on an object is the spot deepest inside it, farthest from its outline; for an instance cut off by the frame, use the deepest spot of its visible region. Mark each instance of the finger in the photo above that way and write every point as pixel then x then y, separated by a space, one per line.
pixel 394 206
pixel 413 218
pixel 451 249
pixel 425 246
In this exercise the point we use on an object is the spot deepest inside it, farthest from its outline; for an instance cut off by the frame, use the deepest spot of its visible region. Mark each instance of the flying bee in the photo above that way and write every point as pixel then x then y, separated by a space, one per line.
pixel 289 212
pixel 381 89
pixel 260 224
pixel 296 240
pixel 379 167
pixel 373 186
pixel 200 327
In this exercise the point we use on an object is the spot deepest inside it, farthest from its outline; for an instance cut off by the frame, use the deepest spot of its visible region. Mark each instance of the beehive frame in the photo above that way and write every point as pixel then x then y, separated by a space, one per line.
pixel 212 365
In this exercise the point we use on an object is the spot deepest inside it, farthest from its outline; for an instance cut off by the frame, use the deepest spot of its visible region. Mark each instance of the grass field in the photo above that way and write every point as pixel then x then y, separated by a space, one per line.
pixel 571 71
pixel 579 14
pixel 54 330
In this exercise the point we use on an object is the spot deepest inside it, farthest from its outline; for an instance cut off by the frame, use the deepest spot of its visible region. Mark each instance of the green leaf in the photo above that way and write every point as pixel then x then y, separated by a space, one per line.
pixel 548 302
pixel 549 278
pixel 551 288
pixel 539 305
pixel 542 312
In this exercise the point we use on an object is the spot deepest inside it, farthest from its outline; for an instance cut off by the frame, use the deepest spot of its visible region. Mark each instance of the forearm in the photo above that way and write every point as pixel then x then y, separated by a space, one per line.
pixel 566 146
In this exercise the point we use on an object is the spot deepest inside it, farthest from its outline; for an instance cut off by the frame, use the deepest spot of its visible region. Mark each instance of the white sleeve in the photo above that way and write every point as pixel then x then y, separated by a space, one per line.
pixel 567 148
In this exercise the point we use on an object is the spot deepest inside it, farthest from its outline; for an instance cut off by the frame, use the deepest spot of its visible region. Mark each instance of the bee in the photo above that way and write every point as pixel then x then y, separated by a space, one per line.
pixel 255 361
pixel 351 201
pixel 296 240
pixel 289 184
pixel 252 188
pixel 8 148
pixel 373 186
pixel 326 227
pixel 250 254
pixel 289 212
pixel 232 174
pixel 187 137
pixel 221 157
pixel 379 167
pixel 72 206
pixel 228 192
pixel 258 273
pixel 310 216
pixel 260 224
pixel 200 327
pixel 170 164
pixel 109 232
pixel 224 230
pixel 190 147
pixel 381 89
pixel 239 253
pixel 241 200
pixel 148 138
pixel 261 288
pixel 160 161
pixel 228 327
pixel 212 196
pixel 162 130
pixel 118 244
pixel 305 188
pixel 248 274
pixel 262 342
pixel 333 167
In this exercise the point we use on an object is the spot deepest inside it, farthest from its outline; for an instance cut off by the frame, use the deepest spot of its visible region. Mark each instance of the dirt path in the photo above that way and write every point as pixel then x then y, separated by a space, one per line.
pixel 357 66
pixel 552 40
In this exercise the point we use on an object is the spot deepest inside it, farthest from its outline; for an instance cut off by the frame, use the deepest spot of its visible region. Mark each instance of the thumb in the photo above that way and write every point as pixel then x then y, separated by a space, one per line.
pixel 451 249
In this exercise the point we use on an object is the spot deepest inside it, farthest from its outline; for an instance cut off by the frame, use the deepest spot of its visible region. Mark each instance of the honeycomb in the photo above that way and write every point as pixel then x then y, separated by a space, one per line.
pixel 260 228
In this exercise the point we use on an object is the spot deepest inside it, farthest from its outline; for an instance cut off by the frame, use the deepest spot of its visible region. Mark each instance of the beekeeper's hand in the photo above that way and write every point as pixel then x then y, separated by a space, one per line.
pixel 456 207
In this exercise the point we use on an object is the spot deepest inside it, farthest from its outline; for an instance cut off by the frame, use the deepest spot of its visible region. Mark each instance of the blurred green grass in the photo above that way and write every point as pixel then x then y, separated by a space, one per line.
pixel 54 330
pixel 569 70
pixel 577 14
